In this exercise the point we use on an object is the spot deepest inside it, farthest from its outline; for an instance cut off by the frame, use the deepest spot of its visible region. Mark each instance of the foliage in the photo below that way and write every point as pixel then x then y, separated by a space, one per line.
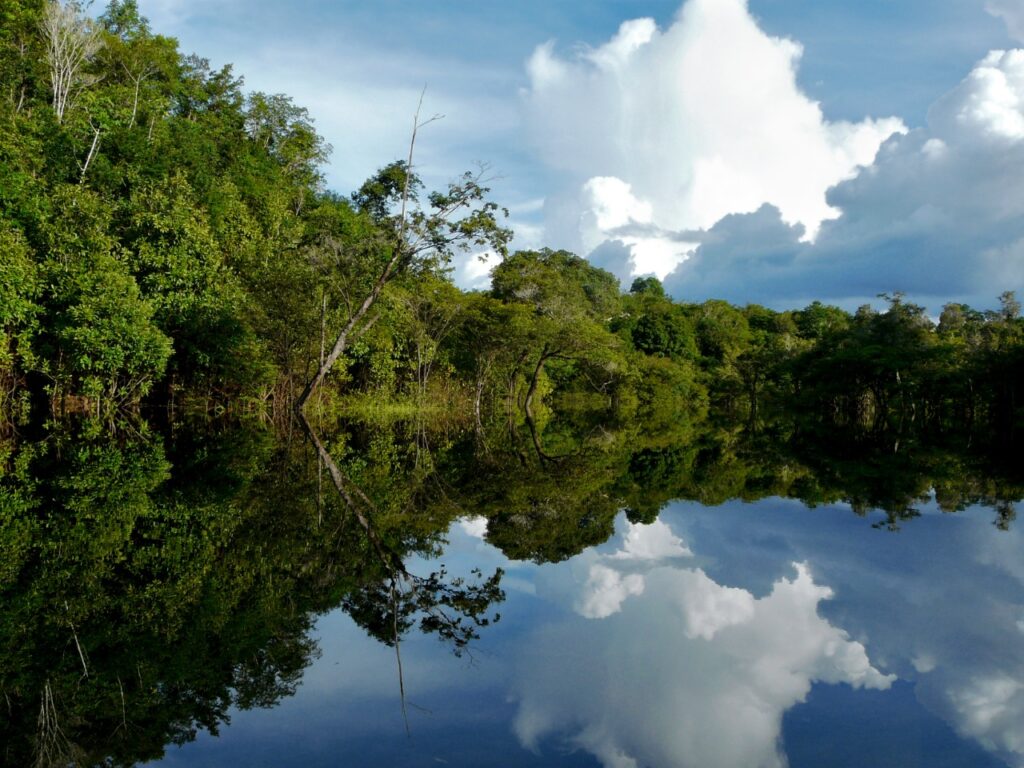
pixel 165 234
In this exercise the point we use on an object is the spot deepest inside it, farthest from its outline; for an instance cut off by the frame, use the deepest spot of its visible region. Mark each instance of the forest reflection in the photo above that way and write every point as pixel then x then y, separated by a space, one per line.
pixel 155 578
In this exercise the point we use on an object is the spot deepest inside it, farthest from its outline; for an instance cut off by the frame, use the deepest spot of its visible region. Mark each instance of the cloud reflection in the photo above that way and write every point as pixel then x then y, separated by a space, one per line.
pixel 680 670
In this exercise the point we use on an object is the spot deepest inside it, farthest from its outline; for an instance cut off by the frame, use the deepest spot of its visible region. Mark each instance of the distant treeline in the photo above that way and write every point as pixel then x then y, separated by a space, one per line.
pixel 164 235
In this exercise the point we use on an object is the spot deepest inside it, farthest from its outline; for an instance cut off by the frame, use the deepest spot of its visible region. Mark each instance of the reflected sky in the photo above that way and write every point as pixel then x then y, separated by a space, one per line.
pixel 761 634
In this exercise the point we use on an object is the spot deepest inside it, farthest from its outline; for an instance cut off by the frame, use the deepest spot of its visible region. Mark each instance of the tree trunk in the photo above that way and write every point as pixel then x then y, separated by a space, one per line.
pixel 477 398
pixel 342 341
pixel 400 252
pixel 533 381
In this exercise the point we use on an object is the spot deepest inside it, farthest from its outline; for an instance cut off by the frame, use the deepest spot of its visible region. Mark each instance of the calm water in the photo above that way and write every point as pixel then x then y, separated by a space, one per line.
pixel 592 597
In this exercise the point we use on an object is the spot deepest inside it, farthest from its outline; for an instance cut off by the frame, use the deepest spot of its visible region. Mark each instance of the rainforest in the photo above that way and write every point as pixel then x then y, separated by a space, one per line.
pixel 240 410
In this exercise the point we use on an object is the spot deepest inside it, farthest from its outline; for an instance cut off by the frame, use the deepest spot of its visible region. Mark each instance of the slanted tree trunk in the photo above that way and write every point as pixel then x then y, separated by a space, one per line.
pixel 342 342
pixel 396 258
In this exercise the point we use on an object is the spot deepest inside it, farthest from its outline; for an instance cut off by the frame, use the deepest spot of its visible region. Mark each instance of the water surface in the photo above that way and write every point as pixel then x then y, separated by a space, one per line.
pixel 558 596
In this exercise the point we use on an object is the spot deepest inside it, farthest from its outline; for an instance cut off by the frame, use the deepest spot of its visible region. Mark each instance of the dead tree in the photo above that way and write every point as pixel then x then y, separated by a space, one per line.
pixel 72 41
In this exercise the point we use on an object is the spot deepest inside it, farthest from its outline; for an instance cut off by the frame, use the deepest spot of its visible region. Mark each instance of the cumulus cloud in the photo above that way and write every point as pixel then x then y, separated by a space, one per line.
pixel 690 152
pixel 652 688
pixel 650 542
pixel 605 591
pixel 980 693
pixel 990 710
pixel 939 214
pixel 608 584
pixel 941 609
pixel 708 607
pixel 472 271
pixel 670 130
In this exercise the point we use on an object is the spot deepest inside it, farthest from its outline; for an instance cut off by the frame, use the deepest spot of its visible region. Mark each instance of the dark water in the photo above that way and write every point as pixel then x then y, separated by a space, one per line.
pixel 575 594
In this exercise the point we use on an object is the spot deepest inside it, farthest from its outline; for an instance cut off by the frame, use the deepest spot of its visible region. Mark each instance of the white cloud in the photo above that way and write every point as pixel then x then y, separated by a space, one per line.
pixel 674 129
pixel 988 105
pixel 611 205
pixel 990 710
pixel 1012 12
pixel 942 609
pixel 980 692
pixel 605 591
pixel 708 607
pixel 607 584
pixel 651 688
pixel 474 526
pixel 650 542
pixel 940 214
pixel 472 271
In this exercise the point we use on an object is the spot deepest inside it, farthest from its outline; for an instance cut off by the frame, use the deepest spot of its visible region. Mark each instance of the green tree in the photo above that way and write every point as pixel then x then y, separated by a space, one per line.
pixel 100 336
pixel 572 305
pixel 410 236
pixel 19 311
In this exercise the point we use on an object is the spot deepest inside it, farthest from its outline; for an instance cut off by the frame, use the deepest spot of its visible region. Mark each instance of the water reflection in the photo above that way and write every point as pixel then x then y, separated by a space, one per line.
pixel 683 670
pixel 140 606
pixel 154 587
pixel 940 610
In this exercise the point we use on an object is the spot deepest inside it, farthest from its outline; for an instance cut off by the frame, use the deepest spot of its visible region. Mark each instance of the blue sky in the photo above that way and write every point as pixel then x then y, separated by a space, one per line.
pixel 773 150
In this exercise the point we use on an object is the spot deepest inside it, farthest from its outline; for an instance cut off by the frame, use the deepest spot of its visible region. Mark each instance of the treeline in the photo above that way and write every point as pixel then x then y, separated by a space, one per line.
pixel 553 323
pixel 165 235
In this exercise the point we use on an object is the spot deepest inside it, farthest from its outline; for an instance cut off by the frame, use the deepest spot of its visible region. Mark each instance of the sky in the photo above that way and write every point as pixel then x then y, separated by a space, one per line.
pixel 768 151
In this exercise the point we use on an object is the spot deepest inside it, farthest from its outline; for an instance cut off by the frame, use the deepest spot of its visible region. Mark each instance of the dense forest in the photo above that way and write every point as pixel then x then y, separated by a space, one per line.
pixel 169 250
pixel 166 238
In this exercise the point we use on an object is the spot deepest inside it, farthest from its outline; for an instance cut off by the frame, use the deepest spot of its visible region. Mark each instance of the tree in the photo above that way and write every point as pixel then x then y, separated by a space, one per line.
pixel 1009 307
pixel 72 40
pixel 286 132
pixel 122 18
pixel 573 302
pixel 19 289
pixel 723 332
pixel 100 336
pixel 411 236
pixel 664 331
pixel 649 285
pixel 818 320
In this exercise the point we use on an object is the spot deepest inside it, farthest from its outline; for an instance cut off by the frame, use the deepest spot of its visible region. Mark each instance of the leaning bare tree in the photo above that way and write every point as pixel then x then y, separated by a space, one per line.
pixel 414 234
pixel 72 40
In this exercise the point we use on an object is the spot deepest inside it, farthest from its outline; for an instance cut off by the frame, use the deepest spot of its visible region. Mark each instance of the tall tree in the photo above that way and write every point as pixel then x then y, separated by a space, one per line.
pixel 410 234
pixel 72 40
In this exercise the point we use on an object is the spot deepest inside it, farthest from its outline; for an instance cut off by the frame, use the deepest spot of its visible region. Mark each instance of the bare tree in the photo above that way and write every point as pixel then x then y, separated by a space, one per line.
pixel 137 76
pixel 72 40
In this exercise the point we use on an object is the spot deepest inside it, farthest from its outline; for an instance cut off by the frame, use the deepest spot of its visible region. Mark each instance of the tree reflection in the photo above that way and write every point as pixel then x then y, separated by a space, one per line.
pixel 141 603
pixel 548 511
pixel 450 607
pixel 149 584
